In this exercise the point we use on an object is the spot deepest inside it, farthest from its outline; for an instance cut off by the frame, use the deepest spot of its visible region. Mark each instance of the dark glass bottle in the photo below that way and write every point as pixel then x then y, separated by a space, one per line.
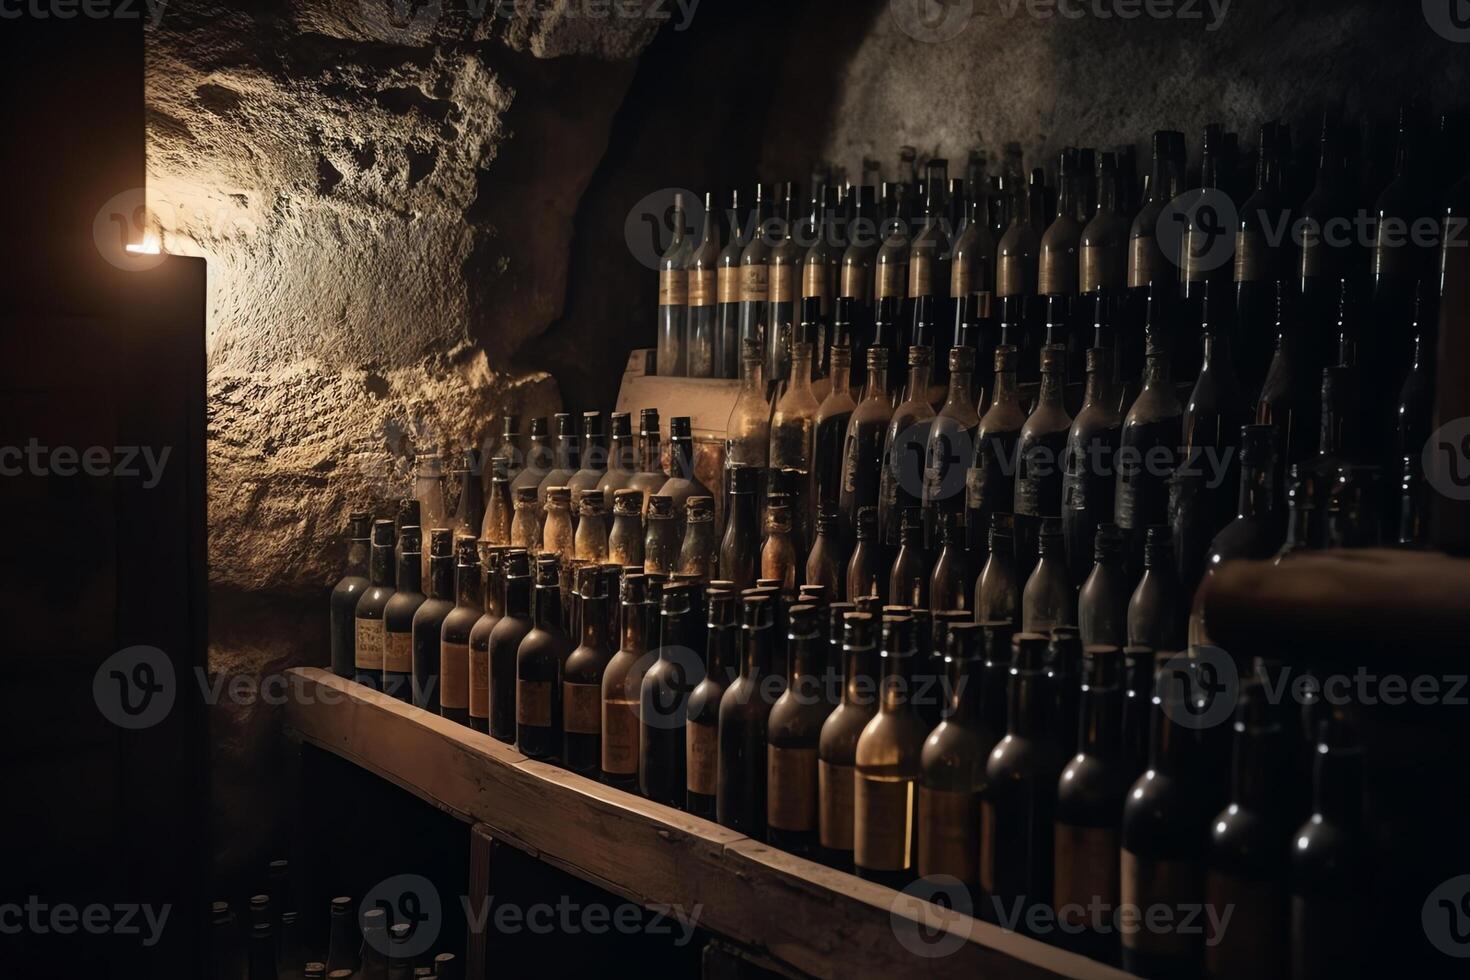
pixel 755 270
pixel 862 455
pixel 582 690
pixel 1157 610
pixel 866 570
pixel 902 479
pixel 827 564
pixel 727 309
pixel 369 635
pixel 952 766
pixel 908 580
pixel 649 477
pixel 682 482
pixel 505 642
pixel 745 708
pixel 1058 268
pixel 792 731
pixel 779 553
pixel 951 585
pixel 783 287
pixel 469 508
pixel 1103 246
pixel 1323 264
pixel 661 539
pixel 398 618
pixel 703 265
pixel 697 552
pixel 1049 600
pixel 830 440
pixel 262 957
pixel 1256 532
pixel 1090 806
pixel 703 728
pixel 500 509
pixel 1020 798
pixel 1415 420
pixel 1328 864
pixel 1212 422
pixel 622 682
pixel 837 744
pixel 1147 453
pixel 565 465
pixel 593 457
pixel 1102 605
pixel 1288 399
pixel 888 766
pixel 998 590
pixel 428 621
pixel 663 703
pixel 673 299
pixel 1148 264
pixel 1260 266
pixel 622 463
pixel 1087 469
pixel 454 633
pixel 348 591
pixel 951 444
pixel 891 262
pixel 342 939
pixel 858 260
pixel 1017 252
pixel 739 560
pixel 930 256
pixel 1163 838
pixel 1039 460
pixel 539 664
pixel 990 486
pixel 1247 854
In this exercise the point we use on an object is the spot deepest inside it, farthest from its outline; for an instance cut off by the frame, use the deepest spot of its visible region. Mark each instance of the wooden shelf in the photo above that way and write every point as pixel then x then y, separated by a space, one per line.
pixel 800 914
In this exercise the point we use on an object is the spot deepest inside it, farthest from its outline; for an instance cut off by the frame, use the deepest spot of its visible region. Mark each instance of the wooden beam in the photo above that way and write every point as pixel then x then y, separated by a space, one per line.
pixel 482 856
pixel 818 921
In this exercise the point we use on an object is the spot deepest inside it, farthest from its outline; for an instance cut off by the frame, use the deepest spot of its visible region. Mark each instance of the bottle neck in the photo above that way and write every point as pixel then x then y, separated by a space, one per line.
pixel 411 572
pixel 548 608
pixel 755 658
pixel 719 650
pixel 1006 392
pixel 1099 381
pixel 801 373
pixel 960 383
pixel 650 462
pixel 897 669
pixel 877 382
pixel 381 571
pixel 681 458
pixel 1027 693
pixel 1156 372
pixel 807 656
pixel 594 622
pixel 857 680
pixel 1169 747
pixel 357 557
pixel 1301 527
pixel 966 698
pixel 467 587
pixel 518 597
pixel 919 375
pixel 1257 491
pixel 594 453
pixel 1338 793
pixel 1102 708
pixel 841 372
pixel 1252 776
pixel 1050 395
pixel 633 627
pixel 441 577
pixel 622 454
pixel 752 376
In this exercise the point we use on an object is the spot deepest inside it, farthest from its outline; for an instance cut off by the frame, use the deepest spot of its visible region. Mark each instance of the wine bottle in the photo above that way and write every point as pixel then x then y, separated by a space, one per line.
pixel 454 633
pixel 1247 853
pixel 343 941
pixel 540 660
pixel 837 745
pixel 495 530
pixel 1256 532
pixel 929 253
pixel 1060 243
pixel 728 276
pixel 558 536
pixel 891 262
pixel 1017 252
pixel 1089 808
pixel 703 269
pixel 1212 423
pixel 887 766
pixel 697 551
pixel 625 543
pixel 1148 264
pixel 866 568
pixel 469 507
pixel 784 285
pixel 952 766
pixel 950 444
pixel 792 731
pixel 504 641
pixel 972 270
pixel 582 690
pixel 821 266
pixel 1021 789
pixel 565 464
pixel 262 957
pixel 1148 449
pixel 1325 258
pixel 904 443
pixel 793 428
pixel 951 583
pixel 1329 870
pixel 829 434
pixel 1260 266
pixel 745 707
pixel 591 538
pixel 661 540
pixel 673 299
pixel 908 579
pixel 1415 420
pixel 1163 838
pixel 755 272
pixel 703 727
pixel 739 559
pixel 1102 606
pixel 663 703
pixel 622 681
pixel 398 616
pixel 859 258
pixel 1156 614
pixel 1040 449
pixel 428 490
pixel 1087 467
pixel 1049 600
pixel 593 456
pixel 650 477
pixel 370 638
pixel 990 484
pixel 862 457
pixel 778 554
pixel 1103 246
pixel 683 482
pixel 1288 397
pixel 347 592
pixel 826 565
pixel 998 590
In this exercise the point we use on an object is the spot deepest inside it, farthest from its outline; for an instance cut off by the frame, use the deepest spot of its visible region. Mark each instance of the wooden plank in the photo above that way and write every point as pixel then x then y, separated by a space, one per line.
pixel 809 918
pixel 482 851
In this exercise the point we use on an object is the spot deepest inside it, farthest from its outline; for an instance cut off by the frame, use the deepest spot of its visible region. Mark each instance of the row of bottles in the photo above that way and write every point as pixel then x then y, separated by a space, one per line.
pixel 268 942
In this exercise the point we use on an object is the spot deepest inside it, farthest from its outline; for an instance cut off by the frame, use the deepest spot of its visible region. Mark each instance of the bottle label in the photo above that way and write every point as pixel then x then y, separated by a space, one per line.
pixel 949 833
pixel 1102 268
pixel 1256 931
pixel 533 703
pixel 961 276
pixel 729 284
pixel 816 280
pixel 371 639
pixel 783 282
pixel 1010 276
pixel 701 287
pixel 1086 870
pixel 755 283
pixel 883 823
pixel 791 788
pixel 479 683
pixel 921 275
pixel 454 675
pixel 397 652
pixel 701 745
pixel 1251 264
pixel 1144 261
pixel 834 794
pixel 620 737
pixel 975 488
pixel 673 287
pixel 1145 882
pixel 1058 272
pixel 856 282
pixel 890 280
pixel 582 708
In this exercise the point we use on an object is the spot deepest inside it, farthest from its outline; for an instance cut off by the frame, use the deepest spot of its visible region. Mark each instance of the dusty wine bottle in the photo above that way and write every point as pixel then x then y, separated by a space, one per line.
pixel 369 637
pixel 347 592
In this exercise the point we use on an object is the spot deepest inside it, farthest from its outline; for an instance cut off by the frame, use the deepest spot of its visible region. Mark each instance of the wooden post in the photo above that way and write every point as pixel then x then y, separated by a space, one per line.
pixel 482 848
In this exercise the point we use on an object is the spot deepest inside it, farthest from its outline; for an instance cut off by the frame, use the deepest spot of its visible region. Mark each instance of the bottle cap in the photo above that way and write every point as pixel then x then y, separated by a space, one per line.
pixel 627 503
pixel 382 534
pixel 660 507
